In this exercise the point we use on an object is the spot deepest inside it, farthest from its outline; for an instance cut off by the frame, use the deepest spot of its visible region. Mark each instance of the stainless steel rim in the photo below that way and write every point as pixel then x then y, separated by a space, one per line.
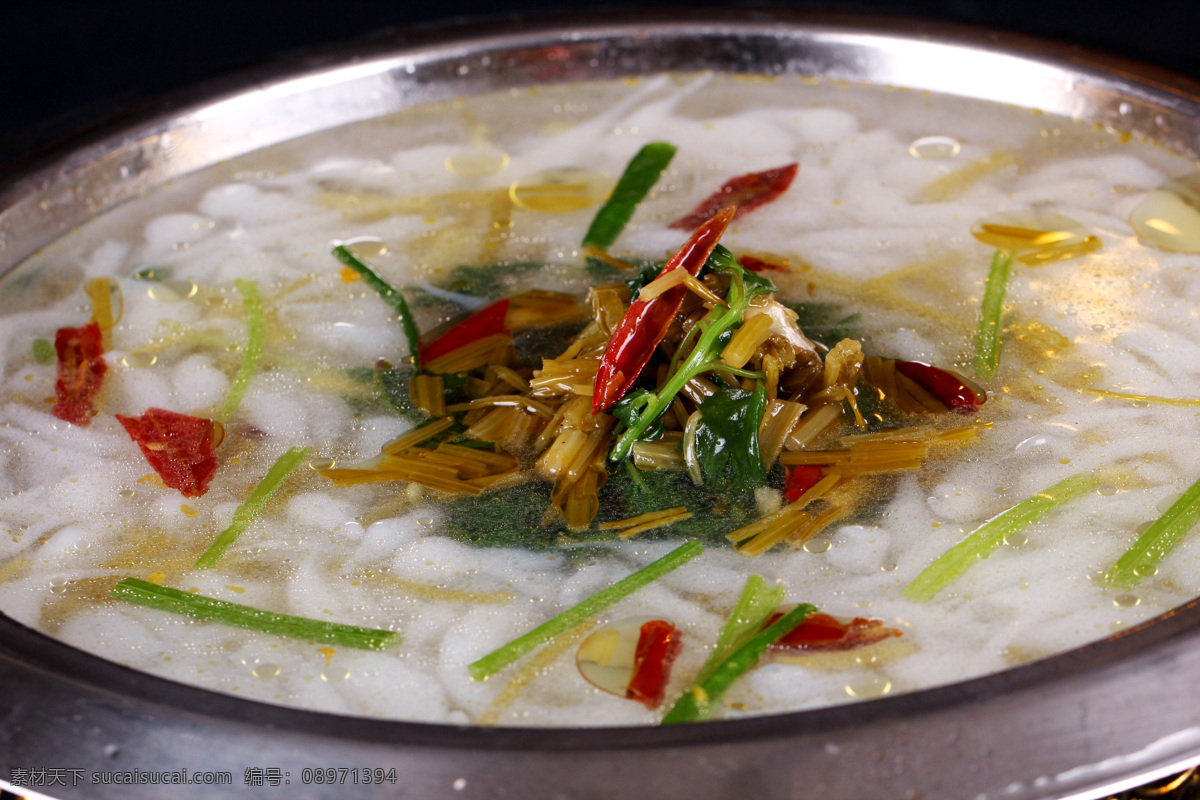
pixel 1097 719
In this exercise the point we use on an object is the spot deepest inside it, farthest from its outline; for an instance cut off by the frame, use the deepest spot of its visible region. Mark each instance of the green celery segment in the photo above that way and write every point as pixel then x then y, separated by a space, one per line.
pixel 987 537
pixel 1157 540
pixel 256 335
pixel 639 177
pixel 198 606
pixel 498 659
pixel 987 340
pixel 253 506
pixel 699 701
pixel 391 295
pixel 757 601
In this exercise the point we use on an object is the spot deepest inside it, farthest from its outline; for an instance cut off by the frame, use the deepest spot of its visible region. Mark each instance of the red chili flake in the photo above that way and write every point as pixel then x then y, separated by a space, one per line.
pixel 747 192
pixel 81 371
pixel 646 321
pixel 484 322
pixel 178 446
pixel 959 394
pixel 824 633
pixel 657 648
pixel 755 264
pixel 799 480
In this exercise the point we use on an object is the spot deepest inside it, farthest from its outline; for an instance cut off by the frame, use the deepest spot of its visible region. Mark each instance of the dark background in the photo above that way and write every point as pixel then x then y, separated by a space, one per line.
pixel 66 62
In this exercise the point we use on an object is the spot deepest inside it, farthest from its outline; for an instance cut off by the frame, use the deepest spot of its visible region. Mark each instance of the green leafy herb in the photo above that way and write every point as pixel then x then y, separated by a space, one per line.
pixel 714 329
pixel 210 609
pixel 987 340
pixel 1157 540
pixel 391 295
pixel 698 702
pixel 498 659
pixel 640 175
pixel 987 537
pixel 727 439
pixel 256 335
pixel 253 506
pixel 43 351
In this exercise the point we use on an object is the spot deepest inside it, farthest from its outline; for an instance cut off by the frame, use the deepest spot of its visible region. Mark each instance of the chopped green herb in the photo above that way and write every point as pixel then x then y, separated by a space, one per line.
pixel 210 609
pixel 152 274
pixel 490 280
pixel 391 295
pixel 1157 540
pixel 754 606
pixel 256 334
pixel 987 537
pixel 253 506
pixel 698 702
pixel 43 351
pixel 824 322
pixel 640 175
pixel 987 341
pixel 498 659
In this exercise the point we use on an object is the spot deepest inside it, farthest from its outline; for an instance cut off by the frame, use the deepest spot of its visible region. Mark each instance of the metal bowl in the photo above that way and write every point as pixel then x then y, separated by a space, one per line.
pixel 1094 720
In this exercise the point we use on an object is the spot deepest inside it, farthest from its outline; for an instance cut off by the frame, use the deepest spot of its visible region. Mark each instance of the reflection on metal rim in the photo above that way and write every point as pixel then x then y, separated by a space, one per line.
pixel 1095 720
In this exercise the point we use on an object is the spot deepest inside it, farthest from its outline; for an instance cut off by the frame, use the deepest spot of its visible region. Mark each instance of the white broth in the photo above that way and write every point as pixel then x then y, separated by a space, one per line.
pixel 878 223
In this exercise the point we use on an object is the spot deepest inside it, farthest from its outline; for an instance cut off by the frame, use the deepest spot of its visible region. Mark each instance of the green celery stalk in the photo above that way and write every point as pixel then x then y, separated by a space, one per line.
pixel 635 183
pixel 253 506
pixel 698 702
pixel 756 603
pixel 1157 540
pixel 256 335
pixel 163 598
pixel 987 537
pixel 391 295
pixel 502 657
pixel 987 340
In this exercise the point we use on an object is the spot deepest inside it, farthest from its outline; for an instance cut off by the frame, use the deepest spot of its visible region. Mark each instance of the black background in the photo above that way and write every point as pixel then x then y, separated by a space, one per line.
pixel 66 62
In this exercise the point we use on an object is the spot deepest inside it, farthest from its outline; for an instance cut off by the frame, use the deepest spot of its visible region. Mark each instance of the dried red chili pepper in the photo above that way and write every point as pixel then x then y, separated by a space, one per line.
pixel 658 646
pixel 746 192
pixel 959 394
pixel 824 633
pixel 485 322
pixel 799 480
pixel 646 321
pixel 755 264
pixel 81 371
pixel 179 447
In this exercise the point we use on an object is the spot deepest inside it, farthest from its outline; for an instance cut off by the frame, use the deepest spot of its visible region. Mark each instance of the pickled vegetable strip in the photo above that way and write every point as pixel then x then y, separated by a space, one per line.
pixel 699 702
pixel 198 606
pixel 253 506
pixel 987 340
pixel 639 177
pixel 390 294
pixel 256 334
pixel 986 538
pixel 1157 540
pixel 498 659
